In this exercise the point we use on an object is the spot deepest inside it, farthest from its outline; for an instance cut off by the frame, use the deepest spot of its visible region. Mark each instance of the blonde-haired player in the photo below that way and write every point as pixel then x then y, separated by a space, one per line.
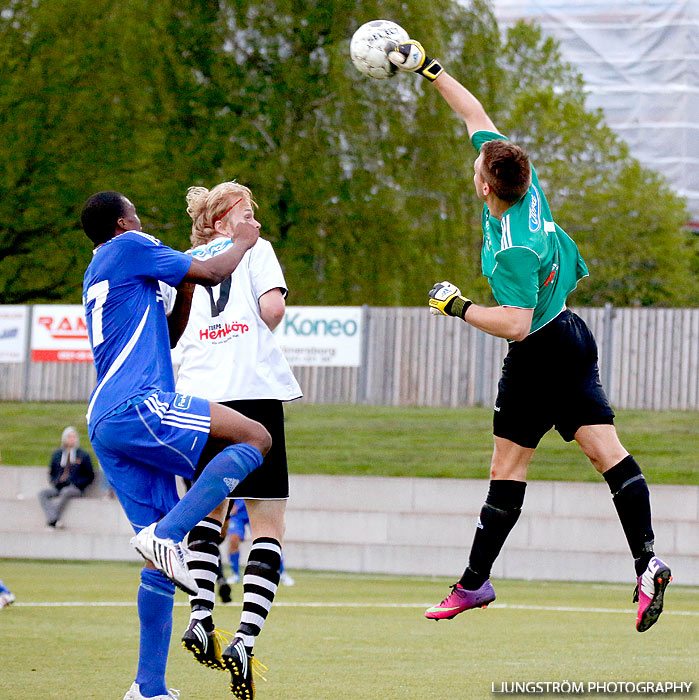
pixel 229 353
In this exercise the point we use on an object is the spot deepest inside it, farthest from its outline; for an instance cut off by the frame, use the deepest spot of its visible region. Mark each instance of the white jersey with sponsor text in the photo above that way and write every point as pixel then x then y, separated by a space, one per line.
pixel 227 351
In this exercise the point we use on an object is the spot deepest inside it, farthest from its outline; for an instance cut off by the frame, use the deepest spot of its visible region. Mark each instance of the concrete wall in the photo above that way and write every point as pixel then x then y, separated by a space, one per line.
pixel 568 531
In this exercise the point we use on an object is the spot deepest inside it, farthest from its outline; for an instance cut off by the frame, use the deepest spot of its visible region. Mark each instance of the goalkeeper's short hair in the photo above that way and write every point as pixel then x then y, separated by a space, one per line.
pixel 505 167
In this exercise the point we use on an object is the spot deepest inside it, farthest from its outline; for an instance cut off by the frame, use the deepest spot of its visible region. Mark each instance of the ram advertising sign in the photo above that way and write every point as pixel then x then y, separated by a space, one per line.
pixel 59 334
pixel 321 336
pixel 13 333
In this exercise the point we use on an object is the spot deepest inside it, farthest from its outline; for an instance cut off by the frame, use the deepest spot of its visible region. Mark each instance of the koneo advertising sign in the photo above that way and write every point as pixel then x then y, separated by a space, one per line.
pixel 321 336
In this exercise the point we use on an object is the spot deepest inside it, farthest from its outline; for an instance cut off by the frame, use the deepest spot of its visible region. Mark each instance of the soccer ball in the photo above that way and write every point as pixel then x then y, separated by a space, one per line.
pixel 368 47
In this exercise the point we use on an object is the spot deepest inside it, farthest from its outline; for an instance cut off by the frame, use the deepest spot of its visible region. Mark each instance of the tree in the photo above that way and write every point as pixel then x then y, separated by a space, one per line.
pixel 364 186
pixel 122 108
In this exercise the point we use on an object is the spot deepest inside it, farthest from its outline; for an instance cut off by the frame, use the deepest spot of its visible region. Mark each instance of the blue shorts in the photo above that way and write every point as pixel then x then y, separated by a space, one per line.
pixel 239 519
pixel 144 444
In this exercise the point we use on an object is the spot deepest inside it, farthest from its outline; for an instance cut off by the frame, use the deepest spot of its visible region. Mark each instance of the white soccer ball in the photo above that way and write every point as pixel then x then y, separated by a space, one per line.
pixel 368 47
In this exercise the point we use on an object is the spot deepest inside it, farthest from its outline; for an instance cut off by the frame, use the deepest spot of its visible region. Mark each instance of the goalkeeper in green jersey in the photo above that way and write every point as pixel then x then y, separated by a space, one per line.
pixel 550 376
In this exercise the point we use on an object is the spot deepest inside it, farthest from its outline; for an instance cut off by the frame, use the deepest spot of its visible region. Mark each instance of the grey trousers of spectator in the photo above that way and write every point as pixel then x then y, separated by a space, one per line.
pixel 53 501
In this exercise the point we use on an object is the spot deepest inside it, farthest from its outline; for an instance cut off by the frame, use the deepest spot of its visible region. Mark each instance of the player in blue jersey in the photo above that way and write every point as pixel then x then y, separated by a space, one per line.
pixel 550 376
pixel 7 597
pixel 143 432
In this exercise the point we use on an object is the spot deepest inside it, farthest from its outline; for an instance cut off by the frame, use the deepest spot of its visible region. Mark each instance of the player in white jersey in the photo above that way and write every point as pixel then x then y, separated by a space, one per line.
pixel 230 355
pixel 145 433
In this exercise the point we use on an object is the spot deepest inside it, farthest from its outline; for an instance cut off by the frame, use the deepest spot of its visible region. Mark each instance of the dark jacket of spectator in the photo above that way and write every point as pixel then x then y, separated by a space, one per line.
pixel 75 468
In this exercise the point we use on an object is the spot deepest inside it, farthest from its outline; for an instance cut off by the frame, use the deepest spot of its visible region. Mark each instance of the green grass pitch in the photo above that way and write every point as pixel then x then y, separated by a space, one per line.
pixel 335 636
pixel 399 441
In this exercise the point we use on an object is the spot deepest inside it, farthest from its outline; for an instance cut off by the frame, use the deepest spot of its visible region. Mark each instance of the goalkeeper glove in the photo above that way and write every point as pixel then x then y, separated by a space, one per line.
pixel 445 298
pixel 410 56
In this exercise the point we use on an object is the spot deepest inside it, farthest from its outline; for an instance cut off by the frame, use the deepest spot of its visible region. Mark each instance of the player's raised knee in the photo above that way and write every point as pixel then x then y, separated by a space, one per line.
pixel 259 437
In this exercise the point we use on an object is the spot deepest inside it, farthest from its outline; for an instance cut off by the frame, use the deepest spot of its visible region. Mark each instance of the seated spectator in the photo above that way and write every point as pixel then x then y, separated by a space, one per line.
pixel 70 474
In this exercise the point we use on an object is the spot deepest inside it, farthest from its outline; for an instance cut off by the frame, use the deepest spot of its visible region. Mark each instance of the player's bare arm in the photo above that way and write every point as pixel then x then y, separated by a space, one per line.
pixel 508 322
pixel 211 272
pixel 464 103
pixel 272 307
pixel 410 56
pixel 502 321
pixel 178 317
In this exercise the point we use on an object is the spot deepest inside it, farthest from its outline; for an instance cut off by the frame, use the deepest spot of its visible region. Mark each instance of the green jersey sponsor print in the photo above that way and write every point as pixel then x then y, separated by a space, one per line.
pixel 529 260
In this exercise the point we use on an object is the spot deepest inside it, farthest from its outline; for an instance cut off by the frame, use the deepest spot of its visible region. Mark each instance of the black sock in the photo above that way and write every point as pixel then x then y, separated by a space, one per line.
pixel 632 502
pixel 499 514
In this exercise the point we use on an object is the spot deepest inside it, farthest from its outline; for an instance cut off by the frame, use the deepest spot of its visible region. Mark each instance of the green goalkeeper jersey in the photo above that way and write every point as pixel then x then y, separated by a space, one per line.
pixel 529 260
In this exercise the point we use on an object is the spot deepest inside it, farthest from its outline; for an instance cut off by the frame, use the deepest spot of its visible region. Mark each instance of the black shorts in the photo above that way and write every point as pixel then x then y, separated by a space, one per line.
pixel 551 379
pixel 270 481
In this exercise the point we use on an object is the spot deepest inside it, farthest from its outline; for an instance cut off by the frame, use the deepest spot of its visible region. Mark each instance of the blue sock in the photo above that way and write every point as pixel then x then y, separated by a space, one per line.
pixel 3 587
pixel 155 599
pixel 235 562
pixel 220 476
pixel 281 565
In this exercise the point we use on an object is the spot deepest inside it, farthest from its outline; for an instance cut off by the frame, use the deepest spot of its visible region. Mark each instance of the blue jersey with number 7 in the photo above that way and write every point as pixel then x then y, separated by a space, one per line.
pixel 126 321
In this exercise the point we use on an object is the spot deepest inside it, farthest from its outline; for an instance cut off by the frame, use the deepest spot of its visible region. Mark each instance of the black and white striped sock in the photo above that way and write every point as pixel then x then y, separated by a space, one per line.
pixel 260 582
pixel 203 543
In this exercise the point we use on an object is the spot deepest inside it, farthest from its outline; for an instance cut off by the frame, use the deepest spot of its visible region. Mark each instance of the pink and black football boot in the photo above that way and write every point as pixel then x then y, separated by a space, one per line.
pixel 649 593
pixel 461 599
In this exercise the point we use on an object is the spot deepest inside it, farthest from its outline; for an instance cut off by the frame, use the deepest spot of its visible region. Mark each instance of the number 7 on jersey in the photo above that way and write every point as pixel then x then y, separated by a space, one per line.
pixel 98 292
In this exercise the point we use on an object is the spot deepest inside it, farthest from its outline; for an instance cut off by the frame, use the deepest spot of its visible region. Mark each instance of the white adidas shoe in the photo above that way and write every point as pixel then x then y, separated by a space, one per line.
pixel 169 557
pixel 134 693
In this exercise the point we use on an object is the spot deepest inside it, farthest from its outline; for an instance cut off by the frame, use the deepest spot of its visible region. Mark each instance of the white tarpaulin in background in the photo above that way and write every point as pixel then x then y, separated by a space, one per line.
pixel 321 336
pixel 640 62
pixel 13 333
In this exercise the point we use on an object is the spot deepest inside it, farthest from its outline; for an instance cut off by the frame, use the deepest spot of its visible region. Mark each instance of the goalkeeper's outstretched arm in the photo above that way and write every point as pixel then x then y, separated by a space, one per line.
pixel 464 103
pixel 410 56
